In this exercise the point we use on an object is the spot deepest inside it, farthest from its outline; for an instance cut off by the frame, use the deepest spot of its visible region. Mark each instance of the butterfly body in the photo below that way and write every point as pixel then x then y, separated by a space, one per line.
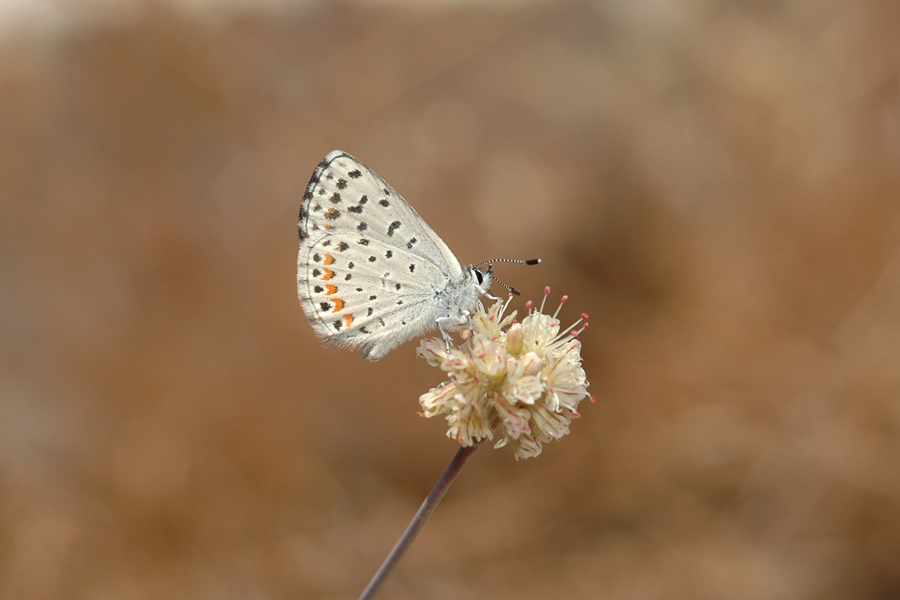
pixel 371 274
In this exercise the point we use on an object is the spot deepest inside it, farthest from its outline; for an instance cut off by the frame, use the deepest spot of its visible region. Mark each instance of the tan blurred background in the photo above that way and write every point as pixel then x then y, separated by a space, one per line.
pixel 716 183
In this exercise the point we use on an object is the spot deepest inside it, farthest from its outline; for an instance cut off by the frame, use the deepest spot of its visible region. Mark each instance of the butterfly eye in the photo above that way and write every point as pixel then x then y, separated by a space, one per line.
pixel 479 276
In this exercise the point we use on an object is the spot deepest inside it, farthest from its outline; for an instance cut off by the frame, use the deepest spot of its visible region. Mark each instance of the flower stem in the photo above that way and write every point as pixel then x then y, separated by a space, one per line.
pixel 418 521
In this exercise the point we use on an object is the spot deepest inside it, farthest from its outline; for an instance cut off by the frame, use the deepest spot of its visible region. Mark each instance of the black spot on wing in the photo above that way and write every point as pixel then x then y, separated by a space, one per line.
pixel 393 227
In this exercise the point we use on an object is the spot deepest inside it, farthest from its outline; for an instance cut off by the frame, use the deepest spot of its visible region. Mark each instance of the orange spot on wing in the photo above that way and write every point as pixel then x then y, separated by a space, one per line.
pixel 328 259
pixel 338 305
pixel 328 274
pixel 330 289
pixel 348 319
pixel 327 226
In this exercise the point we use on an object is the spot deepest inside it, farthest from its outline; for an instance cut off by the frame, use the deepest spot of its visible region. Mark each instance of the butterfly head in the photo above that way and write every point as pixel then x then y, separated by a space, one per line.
pixel 481 278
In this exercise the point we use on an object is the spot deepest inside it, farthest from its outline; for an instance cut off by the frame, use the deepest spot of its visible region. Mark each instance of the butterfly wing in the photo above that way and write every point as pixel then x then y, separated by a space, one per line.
pixel 369 268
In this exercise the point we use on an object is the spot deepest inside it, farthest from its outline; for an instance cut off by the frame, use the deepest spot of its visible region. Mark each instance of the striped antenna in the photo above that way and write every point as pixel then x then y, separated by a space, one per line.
pixel 489 263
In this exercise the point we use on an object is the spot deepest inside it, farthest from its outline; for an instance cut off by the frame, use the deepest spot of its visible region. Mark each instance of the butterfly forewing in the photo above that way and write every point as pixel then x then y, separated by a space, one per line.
pixel 345 195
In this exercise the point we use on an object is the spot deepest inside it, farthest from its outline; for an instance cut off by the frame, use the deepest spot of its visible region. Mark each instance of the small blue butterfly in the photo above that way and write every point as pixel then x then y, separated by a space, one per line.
pixel 371 274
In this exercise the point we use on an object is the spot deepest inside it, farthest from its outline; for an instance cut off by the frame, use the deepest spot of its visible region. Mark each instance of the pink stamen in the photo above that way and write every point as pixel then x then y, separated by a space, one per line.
pixel 546 293
pixel 561 302
pixel 571 327
pixel 528 305
pixel 593 399
pixel 576 415
pixel 584 316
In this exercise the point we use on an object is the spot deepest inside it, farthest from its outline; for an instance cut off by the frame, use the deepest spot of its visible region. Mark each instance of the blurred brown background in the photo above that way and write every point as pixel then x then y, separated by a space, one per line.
pixel 716 183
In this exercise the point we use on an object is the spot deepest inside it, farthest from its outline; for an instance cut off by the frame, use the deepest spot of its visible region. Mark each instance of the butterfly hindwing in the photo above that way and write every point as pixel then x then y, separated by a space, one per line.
pixel 358 295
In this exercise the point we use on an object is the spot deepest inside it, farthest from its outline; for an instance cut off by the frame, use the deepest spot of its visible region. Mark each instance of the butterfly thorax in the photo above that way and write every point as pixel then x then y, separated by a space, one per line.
pixel 461 297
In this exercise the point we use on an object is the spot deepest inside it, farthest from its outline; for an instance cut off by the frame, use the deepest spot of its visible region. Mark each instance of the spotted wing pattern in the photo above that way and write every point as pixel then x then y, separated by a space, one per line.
pixel 369 267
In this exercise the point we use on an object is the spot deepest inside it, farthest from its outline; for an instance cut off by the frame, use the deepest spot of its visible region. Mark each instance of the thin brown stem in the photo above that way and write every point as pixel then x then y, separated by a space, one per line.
pixel 412 530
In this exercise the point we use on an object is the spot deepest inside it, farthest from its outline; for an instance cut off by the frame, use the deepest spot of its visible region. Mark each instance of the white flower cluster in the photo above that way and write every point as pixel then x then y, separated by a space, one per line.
pixel 522 380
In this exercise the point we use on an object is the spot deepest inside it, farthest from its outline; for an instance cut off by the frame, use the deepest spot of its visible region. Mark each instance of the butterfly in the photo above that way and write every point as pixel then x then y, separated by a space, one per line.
pixel 371 273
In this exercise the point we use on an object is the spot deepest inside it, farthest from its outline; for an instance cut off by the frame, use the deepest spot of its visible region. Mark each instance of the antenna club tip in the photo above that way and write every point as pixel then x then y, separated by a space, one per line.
pixel 533 261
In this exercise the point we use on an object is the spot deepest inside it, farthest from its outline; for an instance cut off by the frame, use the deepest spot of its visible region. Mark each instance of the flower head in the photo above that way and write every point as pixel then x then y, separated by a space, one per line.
pixel 521 380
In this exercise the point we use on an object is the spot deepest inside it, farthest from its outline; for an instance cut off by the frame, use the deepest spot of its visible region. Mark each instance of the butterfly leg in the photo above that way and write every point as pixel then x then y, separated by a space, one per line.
pixel 440 323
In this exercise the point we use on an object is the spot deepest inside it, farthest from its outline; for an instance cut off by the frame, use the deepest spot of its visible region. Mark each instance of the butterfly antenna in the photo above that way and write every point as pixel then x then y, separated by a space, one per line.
pixel 533 261
pixel 512 290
